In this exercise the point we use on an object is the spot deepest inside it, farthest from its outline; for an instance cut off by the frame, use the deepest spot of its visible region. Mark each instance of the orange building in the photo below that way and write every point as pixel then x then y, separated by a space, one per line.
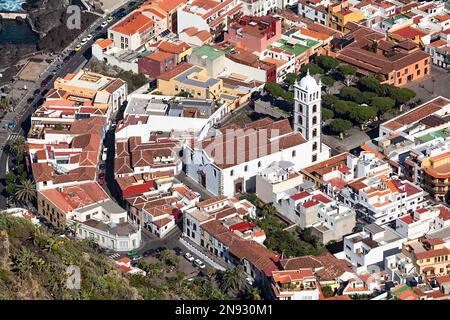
pixel 436 171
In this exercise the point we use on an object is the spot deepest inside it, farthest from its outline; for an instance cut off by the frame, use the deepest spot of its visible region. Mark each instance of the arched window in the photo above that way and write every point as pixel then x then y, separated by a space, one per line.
pixel 300 120
pixel 314 133
pixel 314 120
pixel 314 108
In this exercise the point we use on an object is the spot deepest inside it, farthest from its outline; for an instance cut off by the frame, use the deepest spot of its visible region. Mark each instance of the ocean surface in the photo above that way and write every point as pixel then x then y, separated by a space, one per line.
pixel 15 33
pixel 11 5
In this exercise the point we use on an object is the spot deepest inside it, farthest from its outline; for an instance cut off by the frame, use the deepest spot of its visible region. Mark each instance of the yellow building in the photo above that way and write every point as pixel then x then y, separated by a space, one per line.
pixel 430 256
pixel 93 89
pixel 341 13
pixel 189 79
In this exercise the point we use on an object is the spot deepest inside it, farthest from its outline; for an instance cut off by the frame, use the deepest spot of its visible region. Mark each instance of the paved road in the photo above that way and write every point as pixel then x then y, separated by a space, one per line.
pixel 24 109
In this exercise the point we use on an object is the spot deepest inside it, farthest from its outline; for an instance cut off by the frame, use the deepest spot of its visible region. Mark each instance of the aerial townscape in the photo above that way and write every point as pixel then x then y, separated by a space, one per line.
pixel 225 150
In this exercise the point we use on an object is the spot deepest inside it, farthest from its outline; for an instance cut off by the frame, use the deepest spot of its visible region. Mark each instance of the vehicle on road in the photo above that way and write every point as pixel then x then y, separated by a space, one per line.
pixel 89 36
pixel 66 59
pixel 77 47
pixel 46 80
pixel 132 253
pixel 132 3
pixel 11 124
pixel 148 253
pixel 83 41
pixel 104 24
pixel 178 251
pixel 189 257
pixel 136 258
pixel 160 249
pixel 110 18
pixel 36 92
pixel 199 263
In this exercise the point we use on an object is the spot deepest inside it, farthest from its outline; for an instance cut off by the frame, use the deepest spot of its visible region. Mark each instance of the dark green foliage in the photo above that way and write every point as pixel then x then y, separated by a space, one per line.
pixel 327 114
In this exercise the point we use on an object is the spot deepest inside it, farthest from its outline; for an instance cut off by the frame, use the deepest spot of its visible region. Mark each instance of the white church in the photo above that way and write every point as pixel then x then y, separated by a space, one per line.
pixel 227 163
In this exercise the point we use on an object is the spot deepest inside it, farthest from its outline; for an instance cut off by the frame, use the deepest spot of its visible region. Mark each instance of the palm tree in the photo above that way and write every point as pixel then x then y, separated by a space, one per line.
pixel 17 145
pixel 253 293
pixel 233 279
pixel 26 191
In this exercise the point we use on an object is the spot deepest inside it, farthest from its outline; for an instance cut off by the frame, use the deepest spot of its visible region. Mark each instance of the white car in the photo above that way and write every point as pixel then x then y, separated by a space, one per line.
pixel 83 41
pixel 189 256
pixel 89 36
pixel 199 263
pixel 104 24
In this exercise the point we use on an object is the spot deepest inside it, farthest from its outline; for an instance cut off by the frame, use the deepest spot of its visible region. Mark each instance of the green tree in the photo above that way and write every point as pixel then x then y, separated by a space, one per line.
pixel 382 104
pixel 251 197
pixel 17 145
pixel 327 63
pixel 327 291
pixel 291 78
pixel 328 81
pixel 10 177
pixel 26 191
pixel 361 114
pixel 327 114
pixel 347 72
pixel 369 83
pixel 234 280
pixel 11 189
pixel 343 108
pixel 402 95
pixel 328 101
pixel 351 93
pixel 312 68
pixel 340 126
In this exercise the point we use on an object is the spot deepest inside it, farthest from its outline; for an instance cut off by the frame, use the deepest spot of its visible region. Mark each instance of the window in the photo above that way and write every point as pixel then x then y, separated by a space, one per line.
pixel 294 153
pixel 300 120
pixel 314 133
pixel 246 168
pixel 314 146
pixel 259 164
pixel 232 173
pixel 314 120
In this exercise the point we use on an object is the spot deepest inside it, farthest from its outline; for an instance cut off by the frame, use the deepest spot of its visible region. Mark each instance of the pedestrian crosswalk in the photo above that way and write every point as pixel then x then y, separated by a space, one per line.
pixel 115 256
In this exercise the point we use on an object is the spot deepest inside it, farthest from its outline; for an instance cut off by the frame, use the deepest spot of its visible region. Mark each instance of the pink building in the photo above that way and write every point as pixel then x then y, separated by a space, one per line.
pixel 254 33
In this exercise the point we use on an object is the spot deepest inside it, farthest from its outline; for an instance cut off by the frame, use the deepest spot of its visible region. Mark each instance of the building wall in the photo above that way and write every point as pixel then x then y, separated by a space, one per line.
pixel 110 241
pixel 50 212
pixel 153 68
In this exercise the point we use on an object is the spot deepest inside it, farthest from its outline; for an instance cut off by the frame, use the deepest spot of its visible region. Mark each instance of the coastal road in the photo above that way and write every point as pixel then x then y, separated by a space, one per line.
pixel 23 110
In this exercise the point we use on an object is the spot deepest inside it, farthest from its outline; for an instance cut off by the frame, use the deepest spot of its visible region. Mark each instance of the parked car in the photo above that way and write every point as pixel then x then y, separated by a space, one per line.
pixel 77 47
pixel 89 36
pixel 178 251
pixel 160 249
pixel 148 253
pixel 189 256
pixel 10 124
pixel 110 18
pixel 199 263
pixel 104 24
pixel 136 258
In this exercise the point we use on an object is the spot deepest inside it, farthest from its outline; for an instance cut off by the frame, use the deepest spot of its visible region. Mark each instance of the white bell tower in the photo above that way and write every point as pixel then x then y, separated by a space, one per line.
pixel 307 112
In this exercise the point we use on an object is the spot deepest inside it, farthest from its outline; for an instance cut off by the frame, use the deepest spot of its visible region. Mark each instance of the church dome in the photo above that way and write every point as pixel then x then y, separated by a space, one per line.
pixel 308 83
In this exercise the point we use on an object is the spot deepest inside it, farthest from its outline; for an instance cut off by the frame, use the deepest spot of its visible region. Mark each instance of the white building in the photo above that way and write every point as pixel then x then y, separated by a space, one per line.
pixel 107 224
pixel 307 116
pixel 314 10
pixel 132 32
pixel 381 200
pixel 182 117
pixel 212 16
pixel 370 247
